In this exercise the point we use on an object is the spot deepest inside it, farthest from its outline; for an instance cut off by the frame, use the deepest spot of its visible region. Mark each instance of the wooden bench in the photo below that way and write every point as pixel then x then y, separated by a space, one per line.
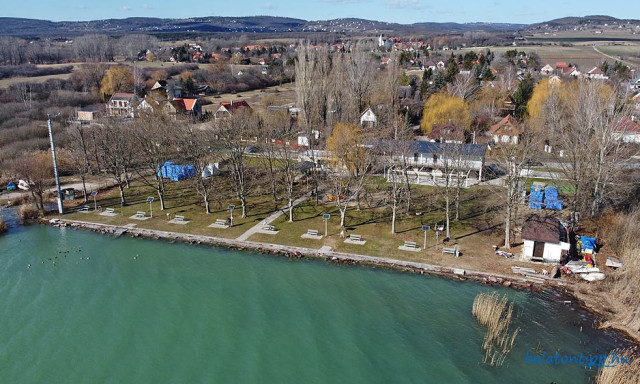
pixel 355 239
pixel 411 246
pixel 269 228
pixel 84 209
pixel 178 218
pixel 312 234
pixel 141 214
pixel 451 250
pixel 110 210
pixel 220 223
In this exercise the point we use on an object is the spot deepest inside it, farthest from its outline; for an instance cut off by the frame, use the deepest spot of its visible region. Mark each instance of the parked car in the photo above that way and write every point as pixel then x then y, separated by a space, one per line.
pixel 251 149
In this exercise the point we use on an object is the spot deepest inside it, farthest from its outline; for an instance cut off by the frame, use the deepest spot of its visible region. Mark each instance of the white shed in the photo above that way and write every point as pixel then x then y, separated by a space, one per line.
pixel 368 119
pixel 545 239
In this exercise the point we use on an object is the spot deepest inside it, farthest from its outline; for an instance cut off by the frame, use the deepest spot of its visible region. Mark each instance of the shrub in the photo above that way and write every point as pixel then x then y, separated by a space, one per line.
pixel 3 226
pixel 29 212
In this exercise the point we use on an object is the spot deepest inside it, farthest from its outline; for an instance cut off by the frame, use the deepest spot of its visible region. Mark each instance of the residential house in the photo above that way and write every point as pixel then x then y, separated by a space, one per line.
pixel 555 80
pixel 545 239
pixel 122 104
pixel 505 131
pixel 385 60
pixel 226 109
pixel 430 64
pixel 446 133
pixel 167 89
pixel 627 130
pixel 368 119
pixel 596 73
pixel 188 106
pixel 546 70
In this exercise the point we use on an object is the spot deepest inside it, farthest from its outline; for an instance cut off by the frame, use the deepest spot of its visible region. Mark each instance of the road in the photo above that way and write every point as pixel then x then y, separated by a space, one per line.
pixel 630 64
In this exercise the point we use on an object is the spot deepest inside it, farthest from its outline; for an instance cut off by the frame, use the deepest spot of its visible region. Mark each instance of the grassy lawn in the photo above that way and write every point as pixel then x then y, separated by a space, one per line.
pixel 180 199
pixel 475 234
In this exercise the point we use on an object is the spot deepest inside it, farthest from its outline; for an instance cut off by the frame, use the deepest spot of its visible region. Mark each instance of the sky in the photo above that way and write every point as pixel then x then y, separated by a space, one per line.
pixel 397 11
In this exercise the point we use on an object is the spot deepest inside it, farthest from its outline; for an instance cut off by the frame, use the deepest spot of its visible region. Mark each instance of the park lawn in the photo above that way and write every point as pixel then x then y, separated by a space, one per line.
pixel 179 201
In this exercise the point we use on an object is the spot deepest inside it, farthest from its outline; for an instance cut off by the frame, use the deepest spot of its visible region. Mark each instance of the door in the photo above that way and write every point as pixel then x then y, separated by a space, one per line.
pixel 538 250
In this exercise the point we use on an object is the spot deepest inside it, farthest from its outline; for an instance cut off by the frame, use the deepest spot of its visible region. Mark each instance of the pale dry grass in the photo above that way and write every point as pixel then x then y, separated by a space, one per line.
pixel 495 313
pixel 619 373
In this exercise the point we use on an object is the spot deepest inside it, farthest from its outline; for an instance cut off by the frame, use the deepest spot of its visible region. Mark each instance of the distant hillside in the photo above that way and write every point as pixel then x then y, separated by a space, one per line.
pixel 254 24
pixel 593 21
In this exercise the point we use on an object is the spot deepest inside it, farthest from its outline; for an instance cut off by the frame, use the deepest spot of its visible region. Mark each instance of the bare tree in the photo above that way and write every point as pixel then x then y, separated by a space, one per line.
pixel 513 160
pixel 583 122
pixel 114 145
pixel 36 168
pixel 78 151
pixel 154 140
pixel 236 134
pixel 351 162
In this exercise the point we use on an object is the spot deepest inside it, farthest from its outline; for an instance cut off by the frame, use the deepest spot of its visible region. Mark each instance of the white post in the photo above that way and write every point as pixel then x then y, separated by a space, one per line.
pixel 55 165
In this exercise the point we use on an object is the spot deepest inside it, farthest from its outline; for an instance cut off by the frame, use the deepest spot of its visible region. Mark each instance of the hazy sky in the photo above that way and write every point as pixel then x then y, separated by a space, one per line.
pixel 399 11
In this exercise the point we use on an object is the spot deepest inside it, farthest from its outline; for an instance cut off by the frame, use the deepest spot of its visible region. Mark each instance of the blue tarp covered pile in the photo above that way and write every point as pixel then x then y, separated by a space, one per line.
pixel 551 198
pixel 176 172
pixel 536 196
pixel 588 242
pixel 544 197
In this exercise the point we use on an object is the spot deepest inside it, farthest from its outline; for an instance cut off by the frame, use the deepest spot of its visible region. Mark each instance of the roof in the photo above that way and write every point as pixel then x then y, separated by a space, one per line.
pixel 546 229
pixel 627 125
pixel 505 125
pixel 595 71
pixel 561 64
pixel 187 103
pixel 446 131
pixel 122 96
pixel 431 148
pixel 232 106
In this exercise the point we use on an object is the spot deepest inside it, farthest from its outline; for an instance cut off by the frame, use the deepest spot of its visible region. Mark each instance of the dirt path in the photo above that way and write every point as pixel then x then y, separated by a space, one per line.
pixel 630 64
pixel 253 230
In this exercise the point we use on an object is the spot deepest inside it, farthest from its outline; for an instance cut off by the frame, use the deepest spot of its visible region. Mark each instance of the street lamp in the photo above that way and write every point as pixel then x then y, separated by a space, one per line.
pixel 326 218
pixel 425 228
pixel 150 200
pixel 231 207
pixel 95 204
pixel 55 163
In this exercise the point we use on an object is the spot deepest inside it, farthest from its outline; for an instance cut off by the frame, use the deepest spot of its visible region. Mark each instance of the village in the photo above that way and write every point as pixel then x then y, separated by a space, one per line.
pixel 483 160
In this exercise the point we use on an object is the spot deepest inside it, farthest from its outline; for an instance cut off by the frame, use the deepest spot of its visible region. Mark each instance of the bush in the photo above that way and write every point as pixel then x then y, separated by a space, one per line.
pixel 29 212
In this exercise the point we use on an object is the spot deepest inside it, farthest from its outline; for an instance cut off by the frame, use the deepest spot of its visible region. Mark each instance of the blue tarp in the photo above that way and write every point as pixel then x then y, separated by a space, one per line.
pixel 176 172
pixel 11 186
pixel 588 242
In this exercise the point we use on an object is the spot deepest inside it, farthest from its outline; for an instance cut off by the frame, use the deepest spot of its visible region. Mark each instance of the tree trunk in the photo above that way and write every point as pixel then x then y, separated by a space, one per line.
pixel 448 214
pixel 393 216
pixel 161 193
pixel 206 203
pixel 457 203
pixel 243 202
pixel 123 201
pixel 84 188
pixel 408 186
pixel 507 228
pixel 290 209
pixel 342 216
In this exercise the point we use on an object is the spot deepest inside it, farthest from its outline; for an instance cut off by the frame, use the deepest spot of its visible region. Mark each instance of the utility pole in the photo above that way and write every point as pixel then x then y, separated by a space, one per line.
pixel 55 165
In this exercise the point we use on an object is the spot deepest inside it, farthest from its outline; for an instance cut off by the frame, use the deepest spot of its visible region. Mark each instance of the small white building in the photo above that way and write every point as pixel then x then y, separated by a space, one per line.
pixel 545 239
pixel 368 119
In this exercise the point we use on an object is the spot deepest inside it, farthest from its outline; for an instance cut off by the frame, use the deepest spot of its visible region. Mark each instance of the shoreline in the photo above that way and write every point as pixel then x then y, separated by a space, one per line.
pixel 563 288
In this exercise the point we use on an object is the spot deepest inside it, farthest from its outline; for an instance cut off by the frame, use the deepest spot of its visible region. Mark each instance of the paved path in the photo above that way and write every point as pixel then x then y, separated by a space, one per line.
pixel 253 230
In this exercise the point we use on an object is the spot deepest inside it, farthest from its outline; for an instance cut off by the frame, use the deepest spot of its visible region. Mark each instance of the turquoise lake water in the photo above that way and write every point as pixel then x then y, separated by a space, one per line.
pixel 94 309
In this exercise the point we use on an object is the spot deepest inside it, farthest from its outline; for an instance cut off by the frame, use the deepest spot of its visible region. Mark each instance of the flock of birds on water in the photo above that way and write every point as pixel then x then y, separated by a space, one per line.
pixel 64 254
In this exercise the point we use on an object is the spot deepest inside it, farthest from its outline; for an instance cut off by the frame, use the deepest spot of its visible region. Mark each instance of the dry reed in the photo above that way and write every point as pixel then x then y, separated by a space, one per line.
pixel 3 226
pixel 29 212
pixel 495 313
pixel 628 372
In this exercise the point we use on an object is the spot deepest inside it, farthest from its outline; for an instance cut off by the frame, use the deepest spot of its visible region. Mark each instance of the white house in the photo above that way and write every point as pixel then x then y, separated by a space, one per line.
pixel 596 73
pixel 546 70
pixel 368 119
pixel 545 239
pixel 627 130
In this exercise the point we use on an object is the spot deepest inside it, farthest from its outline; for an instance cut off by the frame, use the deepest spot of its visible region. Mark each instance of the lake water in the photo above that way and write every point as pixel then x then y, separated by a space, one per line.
pixel 94 309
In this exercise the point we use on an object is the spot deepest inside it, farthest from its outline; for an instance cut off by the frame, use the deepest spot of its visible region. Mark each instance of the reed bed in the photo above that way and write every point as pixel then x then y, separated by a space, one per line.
pixel 495 313
pixel 628 372
pixel 3 226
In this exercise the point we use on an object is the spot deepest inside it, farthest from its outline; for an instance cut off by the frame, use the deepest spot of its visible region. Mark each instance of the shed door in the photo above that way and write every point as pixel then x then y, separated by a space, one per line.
pixel 538 250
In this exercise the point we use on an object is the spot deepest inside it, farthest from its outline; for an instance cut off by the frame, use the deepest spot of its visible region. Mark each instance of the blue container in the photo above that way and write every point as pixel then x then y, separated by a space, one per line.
pixel 535 205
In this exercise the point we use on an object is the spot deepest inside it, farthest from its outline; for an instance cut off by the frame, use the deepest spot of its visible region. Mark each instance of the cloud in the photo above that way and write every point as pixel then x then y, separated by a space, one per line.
pixel 125 8
pixel 269 6
pixel 401 4
pixel 146 6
